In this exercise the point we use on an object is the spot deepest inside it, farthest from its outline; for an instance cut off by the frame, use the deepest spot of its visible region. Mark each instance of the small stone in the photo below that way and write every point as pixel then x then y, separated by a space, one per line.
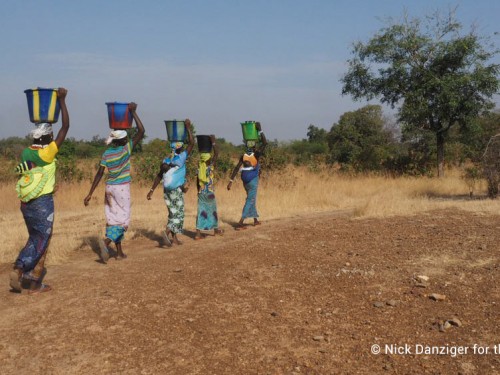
pixel 178 270
pixel 421 285
pixel 347 264
pixel 422 278
pixel 323 351
pixel 437 297
pixel 455 322
pixel 392 303
pixel 190 320
pixel 318 338
pixel 378 304
pixel 444 326
pixel 274 313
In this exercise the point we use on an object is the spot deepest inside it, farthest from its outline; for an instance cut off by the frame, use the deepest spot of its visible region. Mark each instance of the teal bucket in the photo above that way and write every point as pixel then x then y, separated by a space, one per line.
pixel 249 130
pixel 176 130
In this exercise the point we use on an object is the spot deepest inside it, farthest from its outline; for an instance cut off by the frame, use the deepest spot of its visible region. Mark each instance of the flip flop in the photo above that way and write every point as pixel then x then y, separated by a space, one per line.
pixel 15 281
pixel 42 289
pixel 104 252
pixel 164 235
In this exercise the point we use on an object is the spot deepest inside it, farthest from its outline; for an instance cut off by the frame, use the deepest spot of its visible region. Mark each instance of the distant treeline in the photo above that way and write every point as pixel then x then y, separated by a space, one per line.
pixel 361 141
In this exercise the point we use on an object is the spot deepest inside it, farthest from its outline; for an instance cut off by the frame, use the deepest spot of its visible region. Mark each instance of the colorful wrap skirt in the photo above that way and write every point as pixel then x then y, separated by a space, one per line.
pixel 207 211
pixel 174 199
pixel 250 207
pixel 38 215
pixel 117 210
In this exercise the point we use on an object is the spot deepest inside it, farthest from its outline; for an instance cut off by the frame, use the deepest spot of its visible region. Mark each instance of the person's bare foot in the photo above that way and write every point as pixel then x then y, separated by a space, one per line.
pixel 15 280
pixel 256 222
pixel 121 255
pixel 218 232
pixel 198 236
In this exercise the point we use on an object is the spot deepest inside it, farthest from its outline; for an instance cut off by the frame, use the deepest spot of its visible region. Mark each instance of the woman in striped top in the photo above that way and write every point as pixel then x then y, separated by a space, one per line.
pixel 116 159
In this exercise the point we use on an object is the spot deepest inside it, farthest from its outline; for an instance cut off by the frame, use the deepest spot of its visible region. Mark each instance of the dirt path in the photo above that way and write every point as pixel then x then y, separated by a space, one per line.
pixel 293 296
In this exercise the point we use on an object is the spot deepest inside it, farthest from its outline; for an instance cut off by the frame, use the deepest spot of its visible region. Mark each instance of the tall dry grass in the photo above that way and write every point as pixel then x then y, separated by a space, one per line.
pixel 297 192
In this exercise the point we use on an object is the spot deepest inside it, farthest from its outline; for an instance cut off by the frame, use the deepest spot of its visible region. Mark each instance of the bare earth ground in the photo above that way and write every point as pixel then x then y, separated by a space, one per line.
pixel 291 296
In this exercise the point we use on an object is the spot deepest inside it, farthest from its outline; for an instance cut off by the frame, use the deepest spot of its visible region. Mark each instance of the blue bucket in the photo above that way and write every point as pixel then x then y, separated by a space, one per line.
pixel 176 130
pixel 119 115
pixel 43 105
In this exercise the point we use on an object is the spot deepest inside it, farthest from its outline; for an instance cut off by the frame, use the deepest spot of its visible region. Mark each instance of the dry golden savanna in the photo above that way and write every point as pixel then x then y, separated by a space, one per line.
pixel 281 195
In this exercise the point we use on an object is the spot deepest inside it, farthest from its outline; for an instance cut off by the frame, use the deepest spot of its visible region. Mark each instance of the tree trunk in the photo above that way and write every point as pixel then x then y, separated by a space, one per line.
pixel 440 153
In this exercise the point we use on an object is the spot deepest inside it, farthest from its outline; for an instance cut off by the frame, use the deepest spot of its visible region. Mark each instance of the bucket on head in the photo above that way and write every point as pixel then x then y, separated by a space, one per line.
pixel 43 105
pixel 119 115
pixel 176 130
pixel 249 130
pixel 204 143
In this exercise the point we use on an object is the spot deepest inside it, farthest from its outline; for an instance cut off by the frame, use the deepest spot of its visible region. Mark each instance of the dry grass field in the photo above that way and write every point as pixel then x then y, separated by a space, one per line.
pixel 332 272
pixel 280 196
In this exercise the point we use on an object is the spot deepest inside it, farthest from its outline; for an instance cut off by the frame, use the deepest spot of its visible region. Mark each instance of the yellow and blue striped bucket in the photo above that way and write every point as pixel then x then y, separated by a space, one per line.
pixel 43 105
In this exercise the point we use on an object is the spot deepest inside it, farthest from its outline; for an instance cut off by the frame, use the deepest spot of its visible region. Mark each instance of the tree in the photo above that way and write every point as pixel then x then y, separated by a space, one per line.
pixel 360 140
pixel 437 77
pixel 315 134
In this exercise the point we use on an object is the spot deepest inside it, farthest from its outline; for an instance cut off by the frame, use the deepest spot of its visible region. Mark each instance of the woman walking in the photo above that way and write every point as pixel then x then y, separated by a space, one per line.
pixel 116 159
pixel 250 171
pixel 35 189
pixel 207 218
pixel 173 174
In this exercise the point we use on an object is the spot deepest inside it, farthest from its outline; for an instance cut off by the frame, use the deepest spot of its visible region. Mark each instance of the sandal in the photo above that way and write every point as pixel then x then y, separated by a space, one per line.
pixel 41 289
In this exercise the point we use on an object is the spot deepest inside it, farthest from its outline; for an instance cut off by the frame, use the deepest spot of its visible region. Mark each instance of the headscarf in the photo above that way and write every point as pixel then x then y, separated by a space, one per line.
pixel 116 134
pixel 40 130
pixel 175 146
pixel 202 168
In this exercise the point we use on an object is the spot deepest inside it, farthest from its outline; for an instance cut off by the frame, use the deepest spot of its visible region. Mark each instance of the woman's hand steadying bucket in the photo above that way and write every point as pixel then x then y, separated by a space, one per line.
pixel 61 93
pixel 132 106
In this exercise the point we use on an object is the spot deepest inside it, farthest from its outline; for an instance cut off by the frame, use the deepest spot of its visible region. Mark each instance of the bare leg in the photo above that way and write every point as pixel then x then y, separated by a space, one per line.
pixel 175 239
pixel 166 237
pixel 119 250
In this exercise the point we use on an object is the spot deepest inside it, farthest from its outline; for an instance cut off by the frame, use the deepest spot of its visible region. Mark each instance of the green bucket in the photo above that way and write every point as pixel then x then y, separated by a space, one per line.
pixel 249 130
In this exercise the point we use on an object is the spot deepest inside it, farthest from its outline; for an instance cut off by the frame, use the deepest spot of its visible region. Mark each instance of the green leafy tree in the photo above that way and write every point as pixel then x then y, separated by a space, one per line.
pixel 435 76
pixel 316 135
pixel 359 140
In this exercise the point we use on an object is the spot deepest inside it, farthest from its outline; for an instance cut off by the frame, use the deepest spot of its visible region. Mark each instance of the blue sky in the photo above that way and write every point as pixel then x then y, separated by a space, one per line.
pixel 218 62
